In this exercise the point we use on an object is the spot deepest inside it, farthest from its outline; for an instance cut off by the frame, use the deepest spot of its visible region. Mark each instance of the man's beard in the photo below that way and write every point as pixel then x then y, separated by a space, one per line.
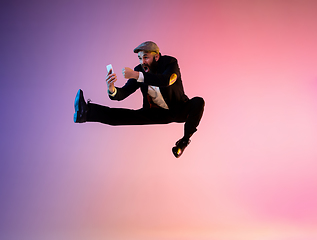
pixel 151 68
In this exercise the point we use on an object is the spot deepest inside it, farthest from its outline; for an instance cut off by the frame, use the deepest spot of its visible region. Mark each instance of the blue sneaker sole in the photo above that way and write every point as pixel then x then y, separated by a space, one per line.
pixel 76 104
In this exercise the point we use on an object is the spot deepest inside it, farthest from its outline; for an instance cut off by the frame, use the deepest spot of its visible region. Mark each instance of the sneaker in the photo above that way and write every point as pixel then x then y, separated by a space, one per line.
pixel 180 146
pixel 81 108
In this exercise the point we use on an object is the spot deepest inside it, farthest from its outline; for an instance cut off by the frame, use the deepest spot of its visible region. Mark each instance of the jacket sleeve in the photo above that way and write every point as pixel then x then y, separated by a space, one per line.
pixel 169 74
pixel 130 87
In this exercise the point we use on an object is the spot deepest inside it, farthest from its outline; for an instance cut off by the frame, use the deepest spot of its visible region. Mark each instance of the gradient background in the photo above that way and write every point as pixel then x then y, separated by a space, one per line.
pixel 250 171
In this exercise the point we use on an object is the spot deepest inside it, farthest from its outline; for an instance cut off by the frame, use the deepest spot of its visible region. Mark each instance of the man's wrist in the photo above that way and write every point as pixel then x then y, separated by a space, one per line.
pixel 112 94
pixel 136 75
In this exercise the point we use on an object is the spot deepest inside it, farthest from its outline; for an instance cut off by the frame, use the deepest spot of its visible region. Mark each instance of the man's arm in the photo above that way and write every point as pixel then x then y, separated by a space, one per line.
pixel 116 93
pixel 168 73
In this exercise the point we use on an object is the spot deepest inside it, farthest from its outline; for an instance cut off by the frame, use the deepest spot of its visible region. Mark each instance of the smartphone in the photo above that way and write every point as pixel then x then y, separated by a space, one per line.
pixel 109 67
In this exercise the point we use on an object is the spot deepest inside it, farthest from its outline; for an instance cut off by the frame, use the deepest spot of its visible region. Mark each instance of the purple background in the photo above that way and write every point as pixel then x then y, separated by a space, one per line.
pixel 250 171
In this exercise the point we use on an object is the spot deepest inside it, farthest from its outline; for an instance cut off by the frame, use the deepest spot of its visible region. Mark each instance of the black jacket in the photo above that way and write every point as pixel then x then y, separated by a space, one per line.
pixel 172 91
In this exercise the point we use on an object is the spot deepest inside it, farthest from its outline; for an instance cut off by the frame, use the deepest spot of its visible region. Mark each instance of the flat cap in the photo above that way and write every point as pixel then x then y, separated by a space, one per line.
pixel 147 46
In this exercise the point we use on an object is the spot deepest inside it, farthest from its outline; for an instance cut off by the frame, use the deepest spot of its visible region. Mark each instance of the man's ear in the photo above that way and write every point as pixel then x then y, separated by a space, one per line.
pixel 157 57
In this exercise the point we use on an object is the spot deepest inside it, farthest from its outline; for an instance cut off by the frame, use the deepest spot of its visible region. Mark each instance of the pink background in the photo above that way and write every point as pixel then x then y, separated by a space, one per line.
pixel 250 171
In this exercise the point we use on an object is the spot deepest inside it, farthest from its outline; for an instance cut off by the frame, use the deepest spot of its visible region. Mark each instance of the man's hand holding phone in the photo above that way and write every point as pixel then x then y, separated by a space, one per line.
pixel 111 78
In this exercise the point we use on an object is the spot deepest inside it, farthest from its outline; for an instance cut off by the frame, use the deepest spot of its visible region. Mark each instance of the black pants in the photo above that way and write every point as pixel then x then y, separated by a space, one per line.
pixel 190 113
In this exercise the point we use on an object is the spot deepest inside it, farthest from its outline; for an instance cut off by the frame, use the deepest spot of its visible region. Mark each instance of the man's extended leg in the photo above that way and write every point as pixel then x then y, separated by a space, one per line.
pixel 123 116
pixel 90 112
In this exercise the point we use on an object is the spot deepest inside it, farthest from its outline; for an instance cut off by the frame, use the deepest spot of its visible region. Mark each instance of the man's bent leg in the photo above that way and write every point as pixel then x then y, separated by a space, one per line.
pixel 191 114
pixel 195 108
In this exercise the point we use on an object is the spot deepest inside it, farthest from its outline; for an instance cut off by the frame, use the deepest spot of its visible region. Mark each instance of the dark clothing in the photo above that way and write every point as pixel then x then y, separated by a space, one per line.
pixel 189 112
pixel 173 94
pixel 181 109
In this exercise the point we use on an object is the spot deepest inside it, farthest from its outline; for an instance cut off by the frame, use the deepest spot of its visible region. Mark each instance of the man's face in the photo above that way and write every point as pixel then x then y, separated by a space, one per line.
pixel 148 60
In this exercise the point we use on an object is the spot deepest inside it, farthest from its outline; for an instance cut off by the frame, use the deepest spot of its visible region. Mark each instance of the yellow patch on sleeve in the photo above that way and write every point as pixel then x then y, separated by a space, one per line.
pixel 173 79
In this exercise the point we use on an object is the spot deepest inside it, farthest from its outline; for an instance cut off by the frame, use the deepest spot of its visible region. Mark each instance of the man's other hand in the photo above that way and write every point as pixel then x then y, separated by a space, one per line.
pixel 129 73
